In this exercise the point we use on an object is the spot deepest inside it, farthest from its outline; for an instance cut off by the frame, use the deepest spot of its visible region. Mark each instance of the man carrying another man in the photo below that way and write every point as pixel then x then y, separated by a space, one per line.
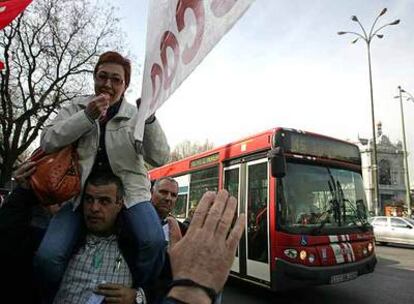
pixel 98 269
pixel 200 260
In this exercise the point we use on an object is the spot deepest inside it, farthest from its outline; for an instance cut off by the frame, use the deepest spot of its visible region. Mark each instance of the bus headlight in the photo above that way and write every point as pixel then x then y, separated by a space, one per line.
pixel 370 247
pixel 303 255
pixel 365 251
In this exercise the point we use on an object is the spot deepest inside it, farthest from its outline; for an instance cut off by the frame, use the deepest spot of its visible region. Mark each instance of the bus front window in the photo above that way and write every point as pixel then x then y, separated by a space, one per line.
pixel 317 198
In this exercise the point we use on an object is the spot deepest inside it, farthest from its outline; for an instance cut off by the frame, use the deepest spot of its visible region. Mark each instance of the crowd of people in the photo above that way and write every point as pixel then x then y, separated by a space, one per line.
pixel 115 242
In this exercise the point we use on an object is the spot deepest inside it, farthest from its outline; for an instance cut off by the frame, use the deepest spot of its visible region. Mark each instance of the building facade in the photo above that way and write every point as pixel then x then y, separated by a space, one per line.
pixel 390 156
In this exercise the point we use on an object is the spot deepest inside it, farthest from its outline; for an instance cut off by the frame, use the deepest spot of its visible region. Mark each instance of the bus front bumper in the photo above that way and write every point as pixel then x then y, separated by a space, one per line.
pixel 289 275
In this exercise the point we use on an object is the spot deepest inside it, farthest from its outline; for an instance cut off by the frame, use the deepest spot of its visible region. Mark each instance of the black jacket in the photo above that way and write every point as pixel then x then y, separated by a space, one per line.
pixel 18 242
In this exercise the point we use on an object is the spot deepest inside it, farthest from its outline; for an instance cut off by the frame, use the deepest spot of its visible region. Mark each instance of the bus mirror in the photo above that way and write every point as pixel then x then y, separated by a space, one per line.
pixel 277 162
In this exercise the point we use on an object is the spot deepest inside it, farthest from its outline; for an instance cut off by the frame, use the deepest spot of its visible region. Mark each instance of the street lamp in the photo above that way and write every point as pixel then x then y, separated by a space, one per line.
pixel 367 37
pixel 407 176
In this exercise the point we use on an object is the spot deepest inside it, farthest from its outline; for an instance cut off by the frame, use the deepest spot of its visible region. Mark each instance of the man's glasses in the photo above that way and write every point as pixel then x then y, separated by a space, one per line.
pixel 103 78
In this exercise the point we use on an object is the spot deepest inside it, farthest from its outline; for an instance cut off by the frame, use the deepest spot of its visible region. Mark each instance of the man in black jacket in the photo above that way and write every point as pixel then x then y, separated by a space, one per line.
pixel 19 238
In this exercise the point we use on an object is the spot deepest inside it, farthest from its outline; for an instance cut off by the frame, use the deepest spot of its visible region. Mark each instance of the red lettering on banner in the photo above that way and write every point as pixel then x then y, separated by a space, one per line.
pixel 156 70
pixel 222 7
pixel 169 40
pixel 198 9
pixel 166 73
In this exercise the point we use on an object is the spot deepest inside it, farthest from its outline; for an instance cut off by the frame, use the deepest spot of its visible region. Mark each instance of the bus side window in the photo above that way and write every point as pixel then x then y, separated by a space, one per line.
pixel 202 181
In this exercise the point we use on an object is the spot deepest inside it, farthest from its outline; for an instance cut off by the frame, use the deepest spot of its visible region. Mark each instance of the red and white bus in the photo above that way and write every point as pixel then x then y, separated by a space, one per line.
pixel 304 199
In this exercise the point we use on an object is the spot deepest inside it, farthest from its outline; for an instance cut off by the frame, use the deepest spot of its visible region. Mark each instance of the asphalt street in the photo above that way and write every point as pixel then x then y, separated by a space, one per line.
pixel 392 282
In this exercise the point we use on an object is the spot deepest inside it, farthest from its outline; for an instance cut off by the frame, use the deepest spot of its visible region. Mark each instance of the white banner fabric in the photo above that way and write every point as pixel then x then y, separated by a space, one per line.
pixel 180 34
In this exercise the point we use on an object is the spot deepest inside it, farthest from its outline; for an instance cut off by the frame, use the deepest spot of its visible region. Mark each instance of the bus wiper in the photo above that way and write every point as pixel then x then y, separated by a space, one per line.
pixel 364 223
pixel 333 208
pixel 336 198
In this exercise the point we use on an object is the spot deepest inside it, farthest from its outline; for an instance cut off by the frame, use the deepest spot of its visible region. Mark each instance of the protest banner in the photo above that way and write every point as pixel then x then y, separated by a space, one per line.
pixel 180 33
pixel 9 10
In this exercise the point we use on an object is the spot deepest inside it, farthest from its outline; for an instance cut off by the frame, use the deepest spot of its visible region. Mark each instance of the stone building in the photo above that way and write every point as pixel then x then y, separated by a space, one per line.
pixel 391 171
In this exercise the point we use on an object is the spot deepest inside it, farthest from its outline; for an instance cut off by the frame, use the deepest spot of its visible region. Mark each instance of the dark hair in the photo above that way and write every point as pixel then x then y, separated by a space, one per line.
pixel 115 57
pixel 107 178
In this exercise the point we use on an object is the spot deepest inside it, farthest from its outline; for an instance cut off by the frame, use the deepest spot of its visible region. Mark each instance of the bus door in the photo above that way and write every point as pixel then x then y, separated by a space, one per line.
pixel 257 223
pixel 232 180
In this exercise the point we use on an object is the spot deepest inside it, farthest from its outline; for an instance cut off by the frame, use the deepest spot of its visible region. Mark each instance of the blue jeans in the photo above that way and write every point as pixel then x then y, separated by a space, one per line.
pixel 54 252
pixel 141 224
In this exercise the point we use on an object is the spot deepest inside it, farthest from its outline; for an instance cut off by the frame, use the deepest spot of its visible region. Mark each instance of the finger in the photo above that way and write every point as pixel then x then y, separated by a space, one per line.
pixel 224 223
pixel 174 230
pixel 29 171
pixel 113 300
pixel 102 112
pixel 24 175
pixel 108 292
pixel 25 169
pixel 103 104
pixel 216 211
pixel 110 286
pixel 236 233
pixel 102 107
pixel 25 166
pixel 91 106
pixel 23 179
pixel 100 98
pixel 105 95
pixel 201 212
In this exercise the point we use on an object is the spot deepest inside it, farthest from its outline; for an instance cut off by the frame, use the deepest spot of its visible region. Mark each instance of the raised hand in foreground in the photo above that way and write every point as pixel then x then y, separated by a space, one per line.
pixel 206 252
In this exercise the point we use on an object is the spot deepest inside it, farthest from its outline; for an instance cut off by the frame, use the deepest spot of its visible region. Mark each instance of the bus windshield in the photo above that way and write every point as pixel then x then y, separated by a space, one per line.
pixel 320 200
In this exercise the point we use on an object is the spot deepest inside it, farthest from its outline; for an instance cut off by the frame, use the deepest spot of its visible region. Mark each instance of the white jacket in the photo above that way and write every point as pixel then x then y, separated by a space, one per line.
pixel 126 155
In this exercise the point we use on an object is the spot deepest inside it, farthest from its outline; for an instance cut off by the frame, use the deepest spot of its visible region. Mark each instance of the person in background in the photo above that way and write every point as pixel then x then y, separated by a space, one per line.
pixel 164 195
pixel 102 127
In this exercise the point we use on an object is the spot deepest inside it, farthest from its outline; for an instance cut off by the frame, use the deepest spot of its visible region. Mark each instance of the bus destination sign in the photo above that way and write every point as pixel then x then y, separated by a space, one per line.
pixel 204 160
pixel 308 144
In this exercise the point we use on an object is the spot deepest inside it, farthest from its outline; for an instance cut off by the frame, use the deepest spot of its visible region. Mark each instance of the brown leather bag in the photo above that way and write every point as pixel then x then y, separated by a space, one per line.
pixel 57 175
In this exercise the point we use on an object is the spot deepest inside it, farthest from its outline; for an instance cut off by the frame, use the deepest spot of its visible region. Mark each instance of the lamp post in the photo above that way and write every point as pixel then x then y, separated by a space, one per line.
pixel 407 176
pixel 367 37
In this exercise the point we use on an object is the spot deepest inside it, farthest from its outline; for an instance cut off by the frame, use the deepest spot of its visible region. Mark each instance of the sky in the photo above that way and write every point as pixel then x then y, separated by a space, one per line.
pixel 283 64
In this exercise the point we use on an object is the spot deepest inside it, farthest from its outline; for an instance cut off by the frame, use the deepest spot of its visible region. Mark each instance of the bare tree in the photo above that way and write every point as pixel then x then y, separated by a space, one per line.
pixel 49 53
pixel 188 148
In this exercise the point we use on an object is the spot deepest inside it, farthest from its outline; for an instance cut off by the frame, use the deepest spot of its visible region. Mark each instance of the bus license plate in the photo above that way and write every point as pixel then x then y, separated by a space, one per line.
pixel 339 278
